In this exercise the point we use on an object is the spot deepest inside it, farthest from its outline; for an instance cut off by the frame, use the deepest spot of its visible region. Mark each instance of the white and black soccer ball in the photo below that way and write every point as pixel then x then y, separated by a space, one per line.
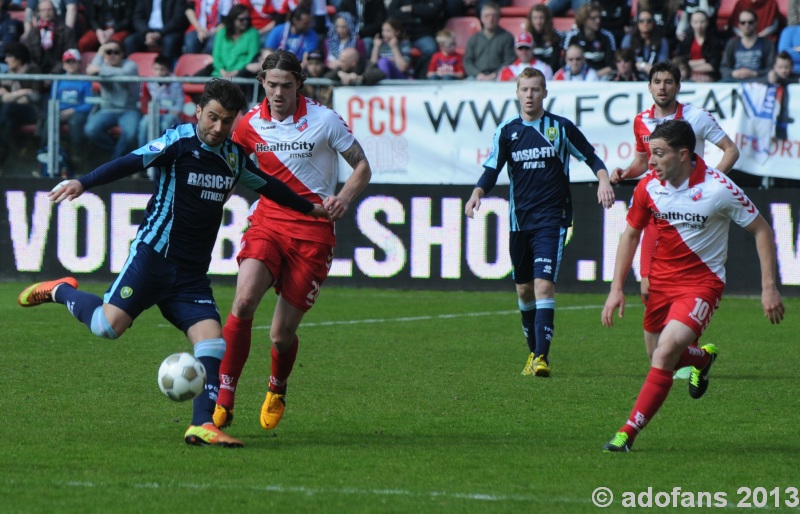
pixel 181 377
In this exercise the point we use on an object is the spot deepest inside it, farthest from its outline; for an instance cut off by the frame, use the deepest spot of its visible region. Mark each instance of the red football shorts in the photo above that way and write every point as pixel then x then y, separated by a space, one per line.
pixel 298 265
pixel 648 248
pixel 691 306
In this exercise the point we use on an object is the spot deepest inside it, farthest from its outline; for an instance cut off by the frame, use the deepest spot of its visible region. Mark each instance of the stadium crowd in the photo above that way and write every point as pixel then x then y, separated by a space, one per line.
pixel 366 41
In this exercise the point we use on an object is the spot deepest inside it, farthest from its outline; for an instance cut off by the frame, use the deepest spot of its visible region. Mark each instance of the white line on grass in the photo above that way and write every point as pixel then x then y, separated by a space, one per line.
pixel 406 319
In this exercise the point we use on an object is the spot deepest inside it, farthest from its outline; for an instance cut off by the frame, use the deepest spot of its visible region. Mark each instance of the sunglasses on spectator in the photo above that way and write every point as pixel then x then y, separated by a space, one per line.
pixel 747 22
pixel 645 20
pixel 113 52
pixel 243 19
pixel 70 61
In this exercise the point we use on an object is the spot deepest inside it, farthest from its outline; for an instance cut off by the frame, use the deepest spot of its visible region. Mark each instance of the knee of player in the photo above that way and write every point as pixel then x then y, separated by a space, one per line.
pixel 244 306
pixel 101 327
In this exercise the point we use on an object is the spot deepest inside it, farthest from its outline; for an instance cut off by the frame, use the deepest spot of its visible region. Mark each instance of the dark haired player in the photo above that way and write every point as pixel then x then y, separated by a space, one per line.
pixel 664 85
pixel 299 141
pixel 691 206
pixel 197 168
pixel 536 147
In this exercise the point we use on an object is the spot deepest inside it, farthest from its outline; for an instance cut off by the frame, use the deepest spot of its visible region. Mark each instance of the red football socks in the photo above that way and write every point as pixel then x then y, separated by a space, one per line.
pixel 282 364
pixel 654 391
pixel 237 334
pixel 693 356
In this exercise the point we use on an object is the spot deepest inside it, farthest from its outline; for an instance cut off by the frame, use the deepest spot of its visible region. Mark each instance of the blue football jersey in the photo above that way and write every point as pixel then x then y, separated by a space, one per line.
pixel 192 183
pixel 537 157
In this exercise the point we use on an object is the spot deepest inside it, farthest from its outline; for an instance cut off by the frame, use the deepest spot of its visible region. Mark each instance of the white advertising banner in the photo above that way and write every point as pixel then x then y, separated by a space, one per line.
pixel 442 133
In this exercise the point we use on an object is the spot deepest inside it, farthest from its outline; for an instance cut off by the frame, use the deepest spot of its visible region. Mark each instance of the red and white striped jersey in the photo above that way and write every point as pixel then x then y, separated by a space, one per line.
pixel 303 151
pixel 703 123
pixel 692 222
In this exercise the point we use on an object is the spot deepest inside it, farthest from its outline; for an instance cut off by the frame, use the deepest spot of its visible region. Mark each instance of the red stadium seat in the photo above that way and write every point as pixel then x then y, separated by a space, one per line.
pixel 463 27
pixel 783 7
pixel 515 25
pixel 144 61
pixel 86 60
pixel 563 24
pixel 518 8
pixel 188 65
pixel 724 13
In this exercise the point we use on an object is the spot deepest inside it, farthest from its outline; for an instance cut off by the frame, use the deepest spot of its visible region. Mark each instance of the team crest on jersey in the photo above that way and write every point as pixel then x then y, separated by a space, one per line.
pixel 232 160
pixel 126 292
pixel 695 193
pixel 514 136
pixel 551 133
pixel 156 146
pixel 302 124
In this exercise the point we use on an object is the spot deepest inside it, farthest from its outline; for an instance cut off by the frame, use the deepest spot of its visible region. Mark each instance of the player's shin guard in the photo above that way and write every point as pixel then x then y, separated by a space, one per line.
pixel 282 364
pixel 654 391
pixel 528 311
pixel 237 333
pixel 545 315
pixel 209 352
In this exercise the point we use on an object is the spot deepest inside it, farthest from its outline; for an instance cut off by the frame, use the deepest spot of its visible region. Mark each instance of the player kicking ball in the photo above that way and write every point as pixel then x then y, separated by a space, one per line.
pixel 197 169
pixel 692 206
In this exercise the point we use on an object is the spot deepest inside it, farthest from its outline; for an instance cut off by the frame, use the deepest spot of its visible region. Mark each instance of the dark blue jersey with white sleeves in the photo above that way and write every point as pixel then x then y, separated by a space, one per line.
pixel 192 183
pixel 537 155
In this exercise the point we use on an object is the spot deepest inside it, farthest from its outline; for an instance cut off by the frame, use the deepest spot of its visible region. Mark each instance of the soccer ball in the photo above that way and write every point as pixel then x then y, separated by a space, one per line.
pixel 181 377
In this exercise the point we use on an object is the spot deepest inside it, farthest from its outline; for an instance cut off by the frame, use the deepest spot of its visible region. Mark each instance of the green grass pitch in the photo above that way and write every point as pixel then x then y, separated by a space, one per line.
pixel 400 402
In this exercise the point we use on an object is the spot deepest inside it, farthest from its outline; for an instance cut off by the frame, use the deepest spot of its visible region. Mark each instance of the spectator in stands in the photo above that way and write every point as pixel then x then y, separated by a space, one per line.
pixel 789 42
pixel 648 44
pixel 391 50
pixel 265 14
pixel 615 17
pixel 168 96
pixel 19 99
pixel 159 26
pixel 523 46
pixel 562 7
pixel 747 58
pixel 625 63
pixel 597 43
pixel 73 105
pixel 770 19
pixel 793 13
pixel 576 67
pixel 236 45
pixel 682 63
pixel 49 39
pixel 342 34
pixel 205 19
pixel 317 69
pixel 665 15
pixel 369 16
pixel 106 22
pixel 704 52
pixel 10 32
pixel 354 70
pixel 119 102
pixel 65 10
pixel 781 75
pixel 490 49
pixel 420 20
pixel 296 35
pixel 446 64
pixel 710 7
pixel 547 42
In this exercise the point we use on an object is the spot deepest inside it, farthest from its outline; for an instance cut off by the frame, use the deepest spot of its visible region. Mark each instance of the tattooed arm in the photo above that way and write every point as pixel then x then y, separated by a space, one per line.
pixel 338 204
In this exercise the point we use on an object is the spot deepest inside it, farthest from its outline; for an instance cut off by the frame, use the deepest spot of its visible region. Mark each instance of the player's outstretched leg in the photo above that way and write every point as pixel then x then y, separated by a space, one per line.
pixel 698 381
pixel 42 292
